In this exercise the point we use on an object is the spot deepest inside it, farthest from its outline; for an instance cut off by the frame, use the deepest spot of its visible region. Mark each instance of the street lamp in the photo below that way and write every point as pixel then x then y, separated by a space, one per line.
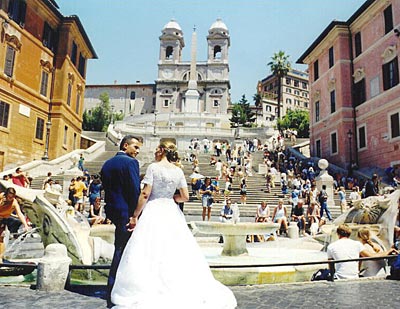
pixel 349 136
pixel 155 121
pixel 46 150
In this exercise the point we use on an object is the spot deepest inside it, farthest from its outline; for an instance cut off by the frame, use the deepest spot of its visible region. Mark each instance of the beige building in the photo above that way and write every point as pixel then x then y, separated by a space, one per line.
pixel 126 99
pixel 295 94
pixel 43 57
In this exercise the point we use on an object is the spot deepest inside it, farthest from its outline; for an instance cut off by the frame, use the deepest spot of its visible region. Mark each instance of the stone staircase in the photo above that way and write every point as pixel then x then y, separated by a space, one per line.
pixel 193 209
pixel 111 149
pixel 255 191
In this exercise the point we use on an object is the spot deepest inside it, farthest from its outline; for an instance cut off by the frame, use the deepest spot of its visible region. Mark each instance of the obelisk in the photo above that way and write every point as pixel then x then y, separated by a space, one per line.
pixel 192 95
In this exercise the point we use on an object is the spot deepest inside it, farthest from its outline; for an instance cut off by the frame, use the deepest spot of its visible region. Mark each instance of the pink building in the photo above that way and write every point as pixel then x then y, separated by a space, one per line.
pixel 354 88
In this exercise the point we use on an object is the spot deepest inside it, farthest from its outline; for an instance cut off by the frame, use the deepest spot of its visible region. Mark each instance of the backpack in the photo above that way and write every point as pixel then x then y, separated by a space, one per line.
pixel 322 197
pixel 395 269
pixel 322 274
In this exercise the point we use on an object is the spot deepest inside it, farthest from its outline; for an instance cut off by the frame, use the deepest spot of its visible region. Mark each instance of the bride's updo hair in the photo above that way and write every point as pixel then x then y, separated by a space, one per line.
pixel 171 151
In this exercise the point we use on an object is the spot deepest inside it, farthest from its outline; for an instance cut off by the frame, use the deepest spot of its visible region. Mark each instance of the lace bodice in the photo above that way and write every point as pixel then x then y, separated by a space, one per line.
pixel 164 180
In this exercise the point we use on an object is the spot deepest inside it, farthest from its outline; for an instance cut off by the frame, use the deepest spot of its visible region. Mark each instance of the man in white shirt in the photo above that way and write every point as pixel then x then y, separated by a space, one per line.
pixel 218 168
pixel 342 249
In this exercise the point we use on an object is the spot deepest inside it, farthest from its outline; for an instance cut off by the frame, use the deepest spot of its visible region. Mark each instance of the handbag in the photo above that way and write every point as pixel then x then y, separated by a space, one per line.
pixel 322 274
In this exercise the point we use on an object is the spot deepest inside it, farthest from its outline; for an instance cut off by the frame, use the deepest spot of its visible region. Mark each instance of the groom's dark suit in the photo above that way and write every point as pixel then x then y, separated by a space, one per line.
pixel 121 182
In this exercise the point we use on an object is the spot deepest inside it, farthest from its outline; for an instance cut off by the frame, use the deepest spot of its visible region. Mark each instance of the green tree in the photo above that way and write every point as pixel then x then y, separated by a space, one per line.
pixel 100 116
pixel 280 66
pixel 242 115
pixel 258 103
pixel 298 120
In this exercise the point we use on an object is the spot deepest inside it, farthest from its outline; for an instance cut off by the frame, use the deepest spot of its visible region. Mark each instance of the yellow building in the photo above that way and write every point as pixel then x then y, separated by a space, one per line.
pixel 43 57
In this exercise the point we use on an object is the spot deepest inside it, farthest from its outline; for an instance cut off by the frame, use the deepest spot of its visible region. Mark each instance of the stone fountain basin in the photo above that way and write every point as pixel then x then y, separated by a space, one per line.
pixel 239 229
pixel 234 234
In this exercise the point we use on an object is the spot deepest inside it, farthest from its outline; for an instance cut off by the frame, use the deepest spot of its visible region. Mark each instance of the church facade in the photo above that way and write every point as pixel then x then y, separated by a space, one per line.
pixel 209 78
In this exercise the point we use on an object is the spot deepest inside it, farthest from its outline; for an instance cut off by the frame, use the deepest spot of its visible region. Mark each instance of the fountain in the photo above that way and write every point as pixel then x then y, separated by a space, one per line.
pixel 235 233
pixel 59 223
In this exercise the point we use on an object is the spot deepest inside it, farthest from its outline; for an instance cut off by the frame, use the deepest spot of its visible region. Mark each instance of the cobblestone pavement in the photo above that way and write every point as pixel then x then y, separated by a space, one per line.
pixel 363 293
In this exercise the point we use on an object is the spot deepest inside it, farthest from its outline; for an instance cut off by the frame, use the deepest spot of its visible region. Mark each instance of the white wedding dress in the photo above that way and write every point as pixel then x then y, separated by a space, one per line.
pixel 162 265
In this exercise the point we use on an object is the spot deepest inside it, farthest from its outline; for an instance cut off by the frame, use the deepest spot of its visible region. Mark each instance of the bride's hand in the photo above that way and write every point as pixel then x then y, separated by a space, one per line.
pixel 132 223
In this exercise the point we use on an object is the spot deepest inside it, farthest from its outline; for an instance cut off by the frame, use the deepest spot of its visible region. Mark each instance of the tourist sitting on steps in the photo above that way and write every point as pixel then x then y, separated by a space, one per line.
pixel 262 215
pixel 226 212
pixel 313 218
pixel 8 206
pixel 96 212
pixel 299 217
pixel 280 216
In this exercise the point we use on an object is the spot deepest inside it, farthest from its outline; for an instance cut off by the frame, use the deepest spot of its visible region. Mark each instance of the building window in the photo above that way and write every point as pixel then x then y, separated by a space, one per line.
pixel 65 135
pixel 69 94
pixel 296 92
pixel 4 113
pixel 390 74
pixel 357 43
pixel 78 102
pixel 316 70
pixel 217 52
pixel 44 83
pixel 216 103
pixel 318 148
pixel 333 101
pixel 334 148
pixel 359 92
pixel 305 104
pixel 296 83
pixel 331 57
pixel 75 141
pixel 268 108
pixel 166 103
pixel 288 101
pixel 39 128
pixel 288 90
pixel 74 53
pixel 317 111
pixel 288 81
pixel 82 65
pixel 17 11
pixel 169 51
pixel 362 137
pixel 49 37
pixel 388 17
pixel 395 125
pixel 9 63
pixel 374 87
pixel 304 85
pixel 133 95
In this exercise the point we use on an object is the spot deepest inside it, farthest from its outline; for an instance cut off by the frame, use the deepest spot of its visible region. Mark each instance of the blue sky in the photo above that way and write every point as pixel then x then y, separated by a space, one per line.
pixel 125 34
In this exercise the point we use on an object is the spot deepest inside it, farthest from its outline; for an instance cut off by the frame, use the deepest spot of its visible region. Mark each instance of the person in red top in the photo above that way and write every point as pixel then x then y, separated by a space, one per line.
pixel 9 205
pixel 19 178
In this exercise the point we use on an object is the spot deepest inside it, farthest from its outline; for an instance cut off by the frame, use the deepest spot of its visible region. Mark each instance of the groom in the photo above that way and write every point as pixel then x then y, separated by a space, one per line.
pixel 121 183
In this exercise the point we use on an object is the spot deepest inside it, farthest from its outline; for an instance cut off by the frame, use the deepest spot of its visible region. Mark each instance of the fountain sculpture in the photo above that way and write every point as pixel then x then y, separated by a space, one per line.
pixel 58 222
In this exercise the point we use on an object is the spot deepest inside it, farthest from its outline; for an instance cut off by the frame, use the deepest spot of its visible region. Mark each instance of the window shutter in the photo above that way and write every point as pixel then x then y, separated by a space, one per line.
pixel 9 64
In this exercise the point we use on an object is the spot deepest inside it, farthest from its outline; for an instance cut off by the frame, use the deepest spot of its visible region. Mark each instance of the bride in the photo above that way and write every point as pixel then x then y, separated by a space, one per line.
pixel 162 265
